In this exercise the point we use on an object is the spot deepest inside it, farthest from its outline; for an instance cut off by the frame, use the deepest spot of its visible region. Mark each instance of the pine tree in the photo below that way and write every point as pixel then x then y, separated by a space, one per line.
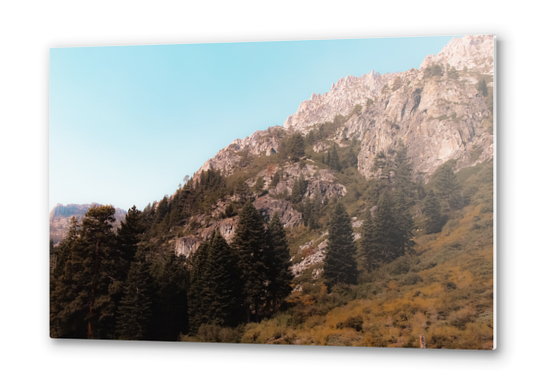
pixel 307 212
pixel 241 190
pixel 172 303
pixel 405 225
pixel 198 303
pixel 128 236
pixel 387 235
pixel 334 162
pixel 222 283
pixel 135 313
pixel 368 246
pixel 297 147
pixel 339 263
pixel 403 181
pixel 276 179
pixel 258 186
pixel 482 87
pixel 251 248
pixel 317 202
pixel 176 216
pixel 447 186
pixel 100 274
pixel 66 319
pixel 351 158
pixel 431 210
pixel 87 278
pixel 230 210
pixel 299 189
pixel 279 263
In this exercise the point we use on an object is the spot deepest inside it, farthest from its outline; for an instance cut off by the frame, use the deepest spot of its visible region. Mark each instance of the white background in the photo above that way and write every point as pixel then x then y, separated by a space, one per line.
pixel 28 29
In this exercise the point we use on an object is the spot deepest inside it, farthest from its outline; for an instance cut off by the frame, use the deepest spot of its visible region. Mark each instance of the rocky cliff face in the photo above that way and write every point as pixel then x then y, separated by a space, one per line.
pixel 438 118
pixel 340 100
pixel 60 216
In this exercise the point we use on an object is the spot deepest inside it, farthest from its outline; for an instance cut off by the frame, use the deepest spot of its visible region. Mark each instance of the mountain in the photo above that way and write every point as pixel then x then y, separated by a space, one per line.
pixel 439 117
pixel 409 157
pixel 437 111
pixel 60 216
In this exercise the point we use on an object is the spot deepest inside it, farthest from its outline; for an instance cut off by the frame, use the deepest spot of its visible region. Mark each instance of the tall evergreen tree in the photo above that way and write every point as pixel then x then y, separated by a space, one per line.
pixel 317 202
pixel 334 162
pixel 307 212
pixel 171 316
pixel 368 246
pixel 87 280
pixel 276 179
pixel 251 247
pixel 447 187
pixel 279 264
pixel 222 284
pixel 258 186
pixel 297 147
pixel 135 313
pixel 198 303
pixel 387 234
pixel 128 236
pixel 67 318
pixel 405 225
pixel 299 189
pixel 403 180
pixel 431 210
pixel 339 263
pixel 100 272
pixel 351 158
pixel 482 87
pixel 241 190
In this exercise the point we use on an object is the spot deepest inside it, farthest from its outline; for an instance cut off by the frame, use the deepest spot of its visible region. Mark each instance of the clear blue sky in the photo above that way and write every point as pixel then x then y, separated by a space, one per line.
pixel 128 123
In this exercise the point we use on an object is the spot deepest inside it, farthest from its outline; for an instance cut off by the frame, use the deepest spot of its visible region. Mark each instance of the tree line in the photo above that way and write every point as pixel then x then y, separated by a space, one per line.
pixel 108 285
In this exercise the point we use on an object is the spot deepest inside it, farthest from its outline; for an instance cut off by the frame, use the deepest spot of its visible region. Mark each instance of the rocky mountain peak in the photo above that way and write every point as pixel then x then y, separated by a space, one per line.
pixel 340 100
pixel 471 51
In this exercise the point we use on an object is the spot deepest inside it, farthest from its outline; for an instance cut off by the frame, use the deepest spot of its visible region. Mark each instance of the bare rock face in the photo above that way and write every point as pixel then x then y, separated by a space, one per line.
pixel 60 216
pixel 287 214
pixel 226 227
pixel 314 258
pixel 186 245
pixel 340 100
pixel 322 179
pixel 438 119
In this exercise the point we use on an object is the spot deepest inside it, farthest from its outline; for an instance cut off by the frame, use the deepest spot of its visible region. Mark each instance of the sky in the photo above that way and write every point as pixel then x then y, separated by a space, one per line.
pixel 127 123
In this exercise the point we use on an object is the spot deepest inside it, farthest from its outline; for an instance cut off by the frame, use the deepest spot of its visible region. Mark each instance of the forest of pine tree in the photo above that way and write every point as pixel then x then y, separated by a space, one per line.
pixel 131 284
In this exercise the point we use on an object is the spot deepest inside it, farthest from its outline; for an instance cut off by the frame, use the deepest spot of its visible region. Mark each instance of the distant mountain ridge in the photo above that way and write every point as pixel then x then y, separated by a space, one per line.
pixel 60 216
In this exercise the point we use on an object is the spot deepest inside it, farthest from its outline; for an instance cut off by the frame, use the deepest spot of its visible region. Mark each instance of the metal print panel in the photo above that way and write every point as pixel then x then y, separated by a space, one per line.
pixel 359 214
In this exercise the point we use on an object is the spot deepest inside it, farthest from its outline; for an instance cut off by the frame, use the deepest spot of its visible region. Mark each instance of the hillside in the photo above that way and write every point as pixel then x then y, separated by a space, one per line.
pixel 419 143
